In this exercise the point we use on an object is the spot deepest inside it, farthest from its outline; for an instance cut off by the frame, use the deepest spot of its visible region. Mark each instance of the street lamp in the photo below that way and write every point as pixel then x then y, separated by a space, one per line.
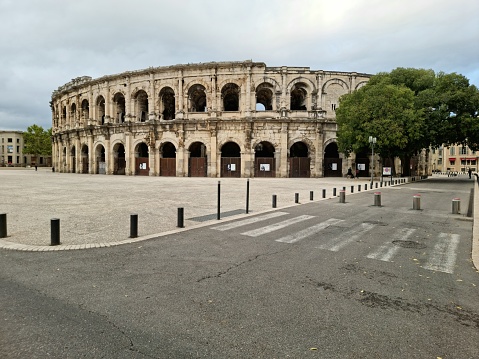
pixel 372 141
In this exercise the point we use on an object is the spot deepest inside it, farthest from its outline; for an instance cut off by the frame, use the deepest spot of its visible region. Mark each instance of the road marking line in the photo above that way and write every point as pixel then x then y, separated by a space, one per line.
pixel 293 238
pixel 247 221
pixel 444 256
pixel 276 226
pixel 387 251
pixel 344 239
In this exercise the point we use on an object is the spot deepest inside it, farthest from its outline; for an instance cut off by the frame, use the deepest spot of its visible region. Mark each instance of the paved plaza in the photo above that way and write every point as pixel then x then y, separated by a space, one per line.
pixel 94 210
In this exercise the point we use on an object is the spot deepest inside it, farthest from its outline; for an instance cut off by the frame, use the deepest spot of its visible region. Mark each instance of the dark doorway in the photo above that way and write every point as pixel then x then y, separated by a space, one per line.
pixel 142 166
pixel 197 161
pixel 332 163
pixel 299 161
pixel 168 160
pixel 230 160
pixel 264 161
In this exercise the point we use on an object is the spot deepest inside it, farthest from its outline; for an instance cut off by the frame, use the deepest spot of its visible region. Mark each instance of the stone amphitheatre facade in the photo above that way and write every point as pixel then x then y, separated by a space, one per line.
pixel 220 119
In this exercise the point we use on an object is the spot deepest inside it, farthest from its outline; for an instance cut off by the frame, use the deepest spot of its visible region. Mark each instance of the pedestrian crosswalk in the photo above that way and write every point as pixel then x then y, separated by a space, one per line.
pixel 440 257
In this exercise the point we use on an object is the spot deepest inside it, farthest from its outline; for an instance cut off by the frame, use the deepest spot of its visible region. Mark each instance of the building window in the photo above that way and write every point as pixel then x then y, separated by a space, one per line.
pixel 18 140
pixel 452 152
pixel 9 140
pixel 452 162
pixel 463 150
pixel 463 162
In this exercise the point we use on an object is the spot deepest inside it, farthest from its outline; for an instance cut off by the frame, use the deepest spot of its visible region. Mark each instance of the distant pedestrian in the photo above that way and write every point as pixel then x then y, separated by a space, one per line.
pixel 470 173
pixel 36 169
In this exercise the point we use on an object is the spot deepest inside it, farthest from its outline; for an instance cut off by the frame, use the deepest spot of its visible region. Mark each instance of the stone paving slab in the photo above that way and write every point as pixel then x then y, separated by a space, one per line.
pixel 96 209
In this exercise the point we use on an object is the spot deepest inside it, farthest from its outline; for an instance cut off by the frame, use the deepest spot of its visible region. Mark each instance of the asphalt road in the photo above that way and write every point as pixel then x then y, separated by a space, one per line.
pixel 318 280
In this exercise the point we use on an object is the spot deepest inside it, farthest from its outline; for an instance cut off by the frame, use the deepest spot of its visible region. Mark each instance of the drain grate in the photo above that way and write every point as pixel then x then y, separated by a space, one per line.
pixel 409 244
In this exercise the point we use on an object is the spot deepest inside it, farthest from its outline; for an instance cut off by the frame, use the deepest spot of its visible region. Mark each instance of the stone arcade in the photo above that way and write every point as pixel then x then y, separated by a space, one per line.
pixel 219 119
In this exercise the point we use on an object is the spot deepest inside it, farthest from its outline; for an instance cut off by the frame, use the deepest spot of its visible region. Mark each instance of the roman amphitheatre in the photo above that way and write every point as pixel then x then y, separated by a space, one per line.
pixel 218 119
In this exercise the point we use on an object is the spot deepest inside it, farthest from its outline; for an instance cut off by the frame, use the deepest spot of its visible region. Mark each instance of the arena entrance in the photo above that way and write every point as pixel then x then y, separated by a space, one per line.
pixel 332 163
pixel 362 164
pixel 197 161
pixel 230 160
pixel 73 159
pixel 168 160
pixel 100 160
pixel 264 161
pixel 142 166
pixel 299 162
pixel 119 164
pixel 84 157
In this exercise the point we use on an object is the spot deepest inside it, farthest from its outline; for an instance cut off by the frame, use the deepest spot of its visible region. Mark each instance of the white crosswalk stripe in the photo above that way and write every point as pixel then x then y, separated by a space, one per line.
pixel 276 226
pixel 307 232
pixel 347 237
pixel 244 222
pixel 444 256
pixel 387 251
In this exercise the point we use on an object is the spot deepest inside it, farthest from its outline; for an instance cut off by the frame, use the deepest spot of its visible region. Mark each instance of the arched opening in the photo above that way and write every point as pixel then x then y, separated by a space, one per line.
pixel 168 159
pixel 167 104
pixel 85 112
pixel 142 167
pixel 64 116
pixel 141 105
pixel 119 164
pixel 265 165
pixel 299 161
pixel 73 159
pixel 197 98
pixel 264 96
pixel 100 104
pixel 230 160
pixel 197 162
pixel 362 164
pixel 84 159
pixel 298 97
pixel 119 108
pixel 73 115
pixel 230 94
pixel 332 163
pixel 100 160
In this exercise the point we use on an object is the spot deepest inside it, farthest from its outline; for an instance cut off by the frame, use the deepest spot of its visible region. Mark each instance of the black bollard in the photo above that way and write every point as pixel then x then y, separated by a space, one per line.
pixel 324 193
pixel 352 189
pixel 218 214
pixel 365 186
pixel 55 232
pixel 3 225
pixel 181 218
pixel 296 198
pixel 247 196
pixel 342 196
pixel 359 188
pixel 133 225
pixel 334 192
pixel 310 195
pixel 376 185
pixel 274 201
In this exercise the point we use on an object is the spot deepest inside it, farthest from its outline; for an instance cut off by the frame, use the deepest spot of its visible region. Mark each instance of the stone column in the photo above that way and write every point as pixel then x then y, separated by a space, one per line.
pixel 128 115
pixel 213 167
pixel 129 155
pixel 77 155
pixel 91 156
pixel 318 170
pixel 108 157
pixel 248 92
pixel 283 168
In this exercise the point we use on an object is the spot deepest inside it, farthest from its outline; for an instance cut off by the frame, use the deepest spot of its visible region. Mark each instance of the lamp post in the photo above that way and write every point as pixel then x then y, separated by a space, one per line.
pixel 372 141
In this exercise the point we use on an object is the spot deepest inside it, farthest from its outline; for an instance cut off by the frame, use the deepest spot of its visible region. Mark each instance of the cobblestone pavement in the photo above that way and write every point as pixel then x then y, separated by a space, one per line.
pixel 94 210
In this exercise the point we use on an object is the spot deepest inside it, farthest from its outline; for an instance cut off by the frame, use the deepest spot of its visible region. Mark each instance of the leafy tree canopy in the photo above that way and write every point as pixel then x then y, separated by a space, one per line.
pixel 37 141
pixel 408 110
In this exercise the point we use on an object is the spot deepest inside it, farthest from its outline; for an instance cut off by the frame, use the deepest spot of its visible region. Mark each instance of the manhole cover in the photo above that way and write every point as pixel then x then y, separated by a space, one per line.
pixel 409 244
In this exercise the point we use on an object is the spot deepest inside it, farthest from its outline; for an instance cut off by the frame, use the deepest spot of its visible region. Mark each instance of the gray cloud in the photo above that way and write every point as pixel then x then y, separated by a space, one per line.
pixel 47 43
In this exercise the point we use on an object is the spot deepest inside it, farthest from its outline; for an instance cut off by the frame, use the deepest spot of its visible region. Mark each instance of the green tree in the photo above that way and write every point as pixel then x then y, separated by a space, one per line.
pixel 37 141
pixel 408 110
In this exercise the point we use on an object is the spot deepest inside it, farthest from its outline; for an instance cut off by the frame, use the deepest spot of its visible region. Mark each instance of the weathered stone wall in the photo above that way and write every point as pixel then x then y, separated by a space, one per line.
pixel 127 123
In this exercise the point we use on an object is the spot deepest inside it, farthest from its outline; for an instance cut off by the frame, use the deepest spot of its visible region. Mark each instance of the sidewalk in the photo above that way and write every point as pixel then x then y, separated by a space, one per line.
pixel 94 210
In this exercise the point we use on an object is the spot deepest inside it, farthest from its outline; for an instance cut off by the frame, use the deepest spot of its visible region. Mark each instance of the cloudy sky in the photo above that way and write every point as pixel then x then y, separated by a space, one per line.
pixel 44 44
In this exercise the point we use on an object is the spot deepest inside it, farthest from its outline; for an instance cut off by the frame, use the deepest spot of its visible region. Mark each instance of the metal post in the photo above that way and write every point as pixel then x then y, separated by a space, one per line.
pixel 342 196
pixel 334 192
pixel 324 193
pixel 376 185
pixel 359 188
pixel 416 202
pixel 3 225
pixel 310 195
pixel 181 217
pixel 218 215
pixel 296 198
pixel 456 205
pixel 377 199
pixel 352 189
pixel 365 186
pixel 247 196
pixel 54 232
pixel 274 201
pixel 133 225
